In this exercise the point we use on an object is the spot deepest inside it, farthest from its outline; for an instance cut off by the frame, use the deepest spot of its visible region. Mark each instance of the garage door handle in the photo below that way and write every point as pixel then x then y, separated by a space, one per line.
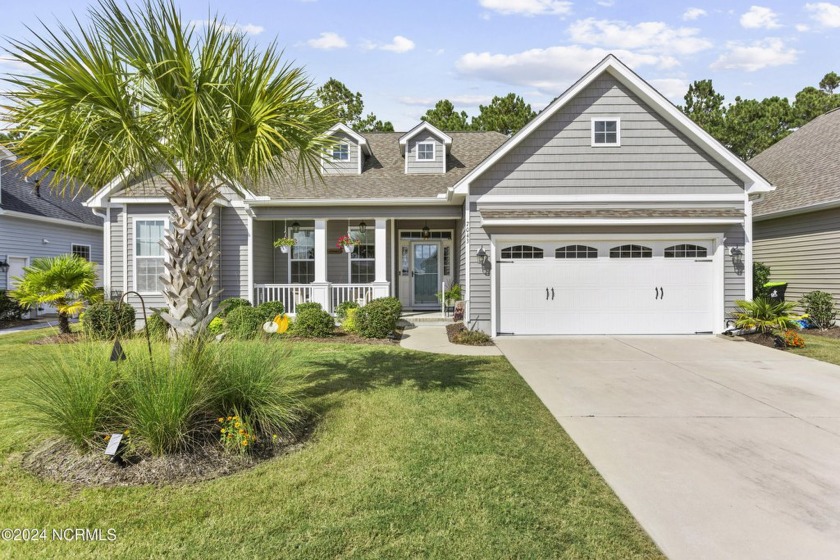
pixel 552 294
pixel 662 293
pixel 657 293
pixel 546 294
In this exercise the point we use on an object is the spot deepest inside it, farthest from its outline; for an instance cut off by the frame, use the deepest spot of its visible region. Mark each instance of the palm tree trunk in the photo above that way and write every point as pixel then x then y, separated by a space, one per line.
pixel 63 323
pixel 191 247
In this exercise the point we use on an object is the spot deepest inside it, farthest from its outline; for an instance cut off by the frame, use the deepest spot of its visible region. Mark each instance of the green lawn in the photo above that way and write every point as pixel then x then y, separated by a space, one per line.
pixel 820 348
pixel 415 455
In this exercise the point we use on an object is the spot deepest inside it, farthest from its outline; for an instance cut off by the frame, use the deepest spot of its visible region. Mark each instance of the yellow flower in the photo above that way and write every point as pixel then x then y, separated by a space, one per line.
pixel 221 420
pixel 126 432
pixel 230 417
pixel 241 431
pixel 106 438
pixel 244 443
pixel 237 425
pixel 223 430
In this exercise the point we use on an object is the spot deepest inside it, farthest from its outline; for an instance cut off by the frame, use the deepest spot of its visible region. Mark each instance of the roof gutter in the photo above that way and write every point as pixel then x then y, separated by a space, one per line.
pixel 828 205
pixel 424 201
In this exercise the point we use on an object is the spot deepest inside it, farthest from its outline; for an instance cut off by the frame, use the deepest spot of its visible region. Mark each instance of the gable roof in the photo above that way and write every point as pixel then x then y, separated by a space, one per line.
pixel 360 140
pixel 805 166
pixel 753 181
pixel 428 127
pixel 383 175
pixel 19 195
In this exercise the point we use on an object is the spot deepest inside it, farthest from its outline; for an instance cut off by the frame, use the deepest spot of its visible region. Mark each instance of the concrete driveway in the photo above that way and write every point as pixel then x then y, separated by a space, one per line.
pixel 721 449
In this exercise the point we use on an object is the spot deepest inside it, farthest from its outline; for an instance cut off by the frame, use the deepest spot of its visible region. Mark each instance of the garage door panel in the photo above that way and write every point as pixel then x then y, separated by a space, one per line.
pixel 652 295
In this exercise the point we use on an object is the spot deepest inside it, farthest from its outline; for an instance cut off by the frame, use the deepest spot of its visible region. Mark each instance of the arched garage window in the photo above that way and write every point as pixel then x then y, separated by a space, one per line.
pixel 685 251
pixel 576 252
pixel 522 252
pixel 631 252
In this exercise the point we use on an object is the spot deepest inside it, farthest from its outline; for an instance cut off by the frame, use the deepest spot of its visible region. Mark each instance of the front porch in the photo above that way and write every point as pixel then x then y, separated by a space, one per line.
pixel 410 259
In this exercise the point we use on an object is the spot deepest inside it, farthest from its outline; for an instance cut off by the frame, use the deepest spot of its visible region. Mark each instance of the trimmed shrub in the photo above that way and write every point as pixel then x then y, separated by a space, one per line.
pixel 230 304
pixel 350 324
pixel 10 309
pixel 761 275
pixel 343 307
pixel 244 322
pixel 271 309
pixel 307 305
pixel 471 338
pixel 103 322
pixel 378 318
pixel 392 304
pixel 819 306
pixel 216 326
pixel 157 327
pixel 313 322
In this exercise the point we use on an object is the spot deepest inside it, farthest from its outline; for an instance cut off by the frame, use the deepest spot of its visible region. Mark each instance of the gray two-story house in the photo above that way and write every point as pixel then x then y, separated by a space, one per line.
pixel 37 221
pixel 610 212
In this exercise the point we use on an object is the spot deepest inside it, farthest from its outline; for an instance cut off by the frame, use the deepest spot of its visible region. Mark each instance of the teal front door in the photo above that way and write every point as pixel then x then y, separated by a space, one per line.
pixel 426 273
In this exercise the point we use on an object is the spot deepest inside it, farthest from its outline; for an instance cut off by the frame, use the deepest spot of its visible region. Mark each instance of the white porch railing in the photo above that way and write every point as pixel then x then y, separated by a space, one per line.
pixel 289 294
pixel 360 293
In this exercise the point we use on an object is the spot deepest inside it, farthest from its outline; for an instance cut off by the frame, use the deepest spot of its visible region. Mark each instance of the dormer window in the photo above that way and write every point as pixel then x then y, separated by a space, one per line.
pixel 341 152
pixel 606 132
pixel 425 151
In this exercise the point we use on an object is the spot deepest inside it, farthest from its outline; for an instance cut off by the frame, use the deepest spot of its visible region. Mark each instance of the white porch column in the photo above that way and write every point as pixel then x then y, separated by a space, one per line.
pixel 381 287
pixel 320 251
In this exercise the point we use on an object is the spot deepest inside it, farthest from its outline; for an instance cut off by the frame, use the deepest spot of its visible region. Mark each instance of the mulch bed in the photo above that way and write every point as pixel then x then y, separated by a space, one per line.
pixel 61 462
pixel 58 339
pixel 833 332
pixel 455 328
pixel 350 338
pixel 764 339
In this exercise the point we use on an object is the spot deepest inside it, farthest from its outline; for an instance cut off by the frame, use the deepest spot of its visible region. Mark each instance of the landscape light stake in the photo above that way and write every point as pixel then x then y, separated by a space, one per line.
pixel 117 353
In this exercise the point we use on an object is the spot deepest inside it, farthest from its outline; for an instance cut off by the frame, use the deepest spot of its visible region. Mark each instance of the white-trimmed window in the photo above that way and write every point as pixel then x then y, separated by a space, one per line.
pixel 81 251
pixel 302 257
pixel 606 132
pixel 149 257
pixel 362 261
pixel 341 152
pixel 425 151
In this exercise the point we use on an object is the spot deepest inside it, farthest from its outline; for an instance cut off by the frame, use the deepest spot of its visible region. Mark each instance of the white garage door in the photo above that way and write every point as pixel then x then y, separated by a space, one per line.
pixel 606 287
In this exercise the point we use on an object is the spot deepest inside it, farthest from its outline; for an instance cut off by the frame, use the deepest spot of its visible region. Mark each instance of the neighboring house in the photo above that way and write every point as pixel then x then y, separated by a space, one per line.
pixel 36 221
pixel 797 227
pixel 611 212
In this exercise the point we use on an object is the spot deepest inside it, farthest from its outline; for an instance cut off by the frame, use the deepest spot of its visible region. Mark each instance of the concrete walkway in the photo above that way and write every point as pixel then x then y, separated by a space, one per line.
pixel 434 339
pixel 721 449
pixel 36 324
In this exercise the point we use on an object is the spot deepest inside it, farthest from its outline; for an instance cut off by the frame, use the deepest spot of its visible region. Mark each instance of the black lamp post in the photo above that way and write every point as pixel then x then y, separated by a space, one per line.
pixel 117 352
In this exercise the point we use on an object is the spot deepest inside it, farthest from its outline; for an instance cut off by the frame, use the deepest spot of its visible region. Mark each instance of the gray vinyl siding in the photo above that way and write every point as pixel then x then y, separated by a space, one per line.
pixel 117 251
pixel 461 243
pixel 802 250
pixel 263 252
pixel 478 295
pixel 349 166
pixel 21 237
pixel 427 166
pixel 234 253
pixel 557 158
pixel 733 277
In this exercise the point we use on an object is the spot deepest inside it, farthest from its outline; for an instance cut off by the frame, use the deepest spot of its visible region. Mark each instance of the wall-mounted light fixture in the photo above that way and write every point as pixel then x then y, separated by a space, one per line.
pixel 737 256
pixel 481 255
pixel 426 233
pixel 4 265
pixel 45 241
pixel 362 227
pixel 295 228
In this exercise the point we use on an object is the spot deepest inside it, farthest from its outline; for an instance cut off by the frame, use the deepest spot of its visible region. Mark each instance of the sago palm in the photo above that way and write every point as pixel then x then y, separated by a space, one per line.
pixel 764 315
pixel 63 281
pixel 140 92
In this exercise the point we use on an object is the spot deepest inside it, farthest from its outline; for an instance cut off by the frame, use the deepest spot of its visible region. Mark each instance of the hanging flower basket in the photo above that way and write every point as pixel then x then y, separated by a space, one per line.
pixel 284 243
pixel 347 243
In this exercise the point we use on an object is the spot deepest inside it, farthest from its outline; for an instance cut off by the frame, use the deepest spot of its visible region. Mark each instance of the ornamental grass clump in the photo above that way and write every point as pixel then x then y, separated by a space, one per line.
pixel 765 316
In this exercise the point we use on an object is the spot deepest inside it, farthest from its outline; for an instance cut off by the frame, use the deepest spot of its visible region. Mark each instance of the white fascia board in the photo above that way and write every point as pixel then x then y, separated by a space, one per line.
pixel 428 127
pixel 98 199
pixel 520 222
pixel 801 210
pixel 156 200
pixel 360 140
pixel 280 203
pixel 753 181
pixel 6 154
pixel 516 200
pixel 45 219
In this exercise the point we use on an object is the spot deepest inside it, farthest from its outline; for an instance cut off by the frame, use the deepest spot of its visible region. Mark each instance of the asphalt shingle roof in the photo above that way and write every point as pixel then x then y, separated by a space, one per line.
pixel 804 167
pixel 19 195
pixel 383 174
pixel 615 213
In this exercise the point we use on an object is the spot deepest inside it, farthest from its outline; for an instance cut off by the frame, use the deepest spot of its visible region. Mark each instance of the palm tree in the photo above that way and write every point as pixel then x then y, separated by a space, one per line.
pixel 63 281
pixel 142 93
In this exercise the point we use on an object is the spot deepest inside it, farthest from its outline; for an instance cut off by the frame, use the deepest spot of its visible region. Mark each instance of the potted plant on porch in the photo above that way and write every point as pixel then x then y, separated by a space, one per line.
pixel 347 243
pixel 284 243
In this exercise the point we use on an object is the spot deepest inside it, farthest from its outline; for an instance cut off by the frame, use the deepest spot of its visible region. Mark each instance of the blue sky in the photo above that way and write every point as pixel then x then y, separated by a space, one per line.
pixel 405 55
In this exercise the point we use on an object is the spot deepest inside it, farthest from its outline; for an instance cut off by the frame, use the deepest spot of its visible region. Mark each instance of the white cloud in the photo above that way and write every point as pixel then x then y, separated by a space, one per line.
pixel 802 27
pixel 759 17
pixel 672 88
pixel 457 100
pixel 755 56
pixel 824 13
pixel 248 28
pixel 693 13
pixel 655 36
pixel 398 44
pixel 327 41
pixel 551 69
pixel 528 7
pixel 606 3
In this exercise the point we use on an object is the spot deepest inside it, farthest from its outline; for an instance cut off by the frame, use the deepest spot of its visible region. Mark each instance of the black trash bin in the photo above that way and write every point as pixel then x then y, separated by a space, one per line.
pixel 776 291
